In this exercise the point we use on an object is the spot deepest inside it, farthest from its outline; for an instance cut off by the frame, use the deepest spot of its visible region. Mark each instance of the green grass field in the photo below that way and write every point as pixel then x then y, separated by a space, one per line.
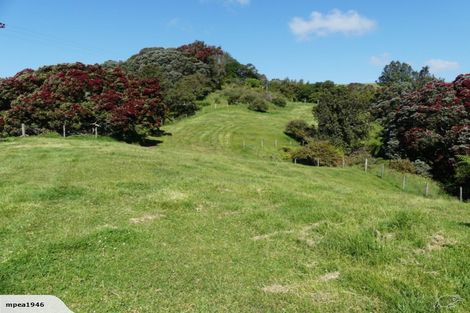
pixel 204 223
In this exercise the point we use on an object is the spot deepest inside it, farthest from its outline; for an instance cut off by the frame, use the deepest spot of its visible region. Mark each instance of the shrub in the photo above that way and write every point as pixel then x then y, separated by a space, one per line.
pixel 233 95
pixel 253 83
pixel 318 150
pixel 279 101
pixel 183 109
pixel 359 156
pixel 249 96
pixel 461 178
pixel 422 168
pixel 299 130
pixel 258 104
pixel 403 166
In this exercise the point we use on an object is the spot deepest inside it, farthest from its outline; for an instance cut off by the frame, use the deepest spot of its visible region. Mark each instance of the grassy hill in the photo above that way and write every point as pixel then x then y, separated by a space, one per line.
pixel 202 223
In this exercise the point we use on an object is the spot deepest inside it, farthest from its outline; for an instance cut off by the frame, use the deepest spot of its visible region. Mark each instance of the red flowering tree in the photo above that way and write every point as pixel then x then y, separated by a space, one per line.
pixel 213 56
pixel 81 96
pixel 201 51
pixel 433 124
pixel 23 82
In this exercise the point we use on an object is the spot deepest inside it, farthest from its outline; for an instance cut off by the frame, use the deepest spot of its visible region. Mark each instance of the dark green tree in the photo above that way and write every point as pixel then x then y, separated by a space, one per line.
pixel 397 73
pixel 343 116
pixel 423 77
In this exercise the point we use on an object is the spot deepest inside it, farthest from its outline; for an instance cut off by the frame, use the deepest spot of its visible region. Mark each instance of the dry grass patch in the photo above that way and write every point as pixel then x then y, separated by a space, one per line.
pixel 276 289
pixel 329 276
pixel 437 242
pixel 146 218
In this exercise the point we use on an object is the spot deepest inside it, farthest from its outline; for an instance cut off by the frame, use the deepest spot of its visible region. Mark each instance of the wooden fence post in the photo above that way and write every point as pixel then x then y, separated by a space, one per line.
pixel 461 194
pixel 63 130
pixel 344 162
pixel 403 184
pixel 382 171
pixel 366 163
pixel 426 189
pixel 23 130
pixel 295 161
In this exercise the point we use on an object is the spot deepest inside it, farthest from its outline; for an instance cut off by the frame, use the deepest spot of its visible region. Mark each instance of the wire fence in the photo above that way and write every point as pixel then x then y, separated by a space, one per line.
pixel 276 150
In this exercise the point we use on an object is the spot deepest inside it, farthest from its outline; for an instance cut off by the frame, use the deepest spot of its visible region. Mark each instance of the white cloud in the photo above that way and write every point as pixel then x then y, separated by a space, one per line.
pixel 380 60
pixel 349 23
pixel 438 65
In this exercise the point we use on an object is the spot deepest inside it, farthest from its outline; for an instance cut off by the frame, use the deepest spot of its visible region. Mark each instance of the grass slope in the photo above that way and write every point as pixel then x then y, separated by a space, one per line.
pixel 236 130
pixel 199 224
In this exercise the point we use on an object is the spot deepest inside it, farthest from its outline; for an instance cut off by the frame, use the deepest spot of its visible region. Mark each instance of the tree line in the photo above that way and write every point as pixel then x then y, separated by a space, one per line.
pixel 128 100
pixel 408 116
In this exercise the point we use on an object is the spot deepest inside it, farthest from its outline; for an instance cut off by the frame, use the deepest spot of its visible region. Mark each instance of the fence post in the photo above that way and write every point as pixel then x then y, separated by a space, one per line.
pixel 461 194
pixel 295 161
pixel 366 163
pixel 403 184
pixel 382 171
pixel 23 130
pixel 344 162
pixel 63 130
pixel 318 162
pixel 426 189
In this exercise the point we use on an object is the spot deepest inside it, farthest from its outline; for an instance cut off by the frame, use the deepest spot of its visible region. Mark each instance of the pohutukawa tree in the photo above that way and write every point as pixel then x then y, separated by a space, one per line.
pixel 81 96
pixel 433 124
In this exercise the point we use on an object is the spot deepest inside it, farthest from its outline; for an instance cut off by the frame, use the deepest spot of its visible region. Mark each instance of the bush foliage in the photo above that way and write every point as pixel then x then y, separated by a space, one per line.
pixel 318 151
pixel 279 101
pixel 403 166
pixel 255 98
pixel 300 131
pixel 462 177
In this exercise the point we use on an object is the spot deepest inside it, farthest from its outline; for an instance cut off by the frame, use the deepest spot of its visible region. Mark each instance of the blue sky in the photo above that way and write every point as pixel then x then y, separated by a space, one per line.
pixel 314 40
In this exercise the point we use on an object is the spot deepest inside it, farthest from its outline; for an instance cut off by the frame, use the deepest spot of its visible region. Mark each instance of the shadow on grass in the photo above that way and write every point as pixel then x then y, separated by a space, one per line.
pixel 150 142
